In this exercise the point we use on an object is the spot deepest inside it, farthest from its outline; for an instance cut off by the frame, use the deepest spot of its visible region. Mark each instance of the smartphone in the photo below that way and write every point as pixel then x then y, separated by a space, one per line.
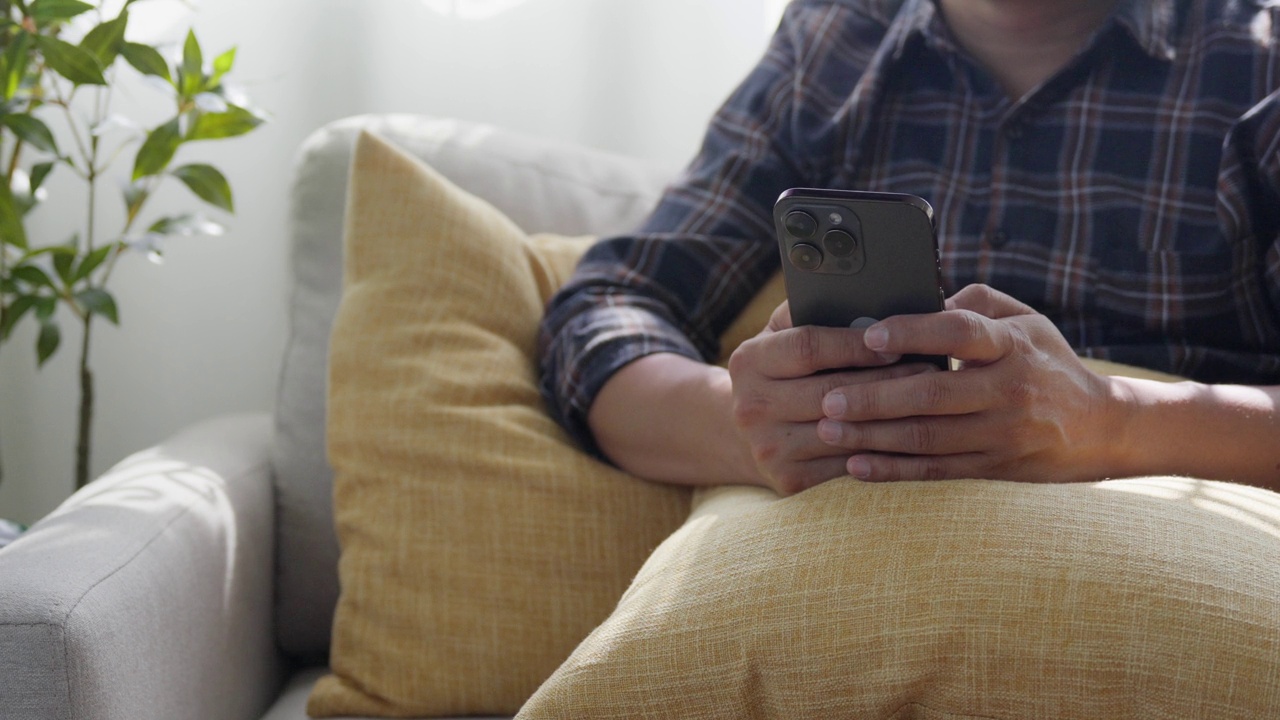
pixel 851 258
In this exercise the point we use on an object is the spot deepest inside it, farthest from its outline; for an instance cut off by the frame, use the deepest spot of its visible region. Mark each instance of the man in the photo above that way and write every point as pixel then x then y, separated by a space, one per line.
pixel 1086 203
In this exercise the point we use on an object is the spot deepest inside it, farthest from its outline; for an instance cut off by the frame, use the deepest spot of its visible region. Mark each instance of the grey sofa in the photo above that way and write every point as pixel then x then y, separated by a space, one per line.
pixel 198 578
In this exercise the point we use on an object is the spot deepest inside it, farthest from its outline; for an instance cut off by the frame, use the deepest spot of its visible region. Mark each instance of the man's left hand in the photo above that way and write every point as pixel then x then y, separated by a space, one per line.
pixel 1021 406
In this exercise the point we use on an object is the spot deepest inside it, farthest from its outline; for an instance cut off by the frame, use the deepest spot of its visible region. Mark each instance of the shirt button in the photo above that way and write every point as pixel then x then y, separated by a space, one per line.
pixel 999 238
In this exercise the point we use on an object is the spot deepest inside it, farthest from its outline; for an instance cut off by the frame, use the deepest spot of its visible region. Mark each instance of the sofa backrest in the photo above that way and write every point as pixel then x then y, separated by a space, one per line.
pixel 543 185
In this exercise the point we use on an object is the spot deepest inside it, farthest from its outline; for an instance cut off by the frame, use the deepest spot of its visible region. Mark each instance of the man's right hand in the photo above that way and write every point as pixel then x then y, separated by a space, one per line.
pixel 780 378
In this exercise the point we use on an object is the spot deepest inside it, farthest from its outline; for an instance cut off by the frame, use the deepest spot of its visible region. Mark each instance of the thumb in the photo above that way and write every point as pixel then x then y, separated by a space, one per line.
pixel 781 318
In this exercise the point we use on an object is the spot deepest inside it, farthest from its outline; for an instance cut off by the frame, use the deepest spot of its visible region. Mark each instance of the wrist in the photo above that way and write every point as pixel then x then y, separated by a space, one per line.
pixel 669 418
pixel 736 455
pixel 1120 452
pixel 1150 435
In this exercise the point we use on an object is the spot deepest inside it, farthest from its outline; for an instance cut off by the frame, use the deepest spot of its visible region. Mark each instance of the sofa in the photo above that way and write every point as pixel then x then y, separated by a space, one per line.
pixel 200 578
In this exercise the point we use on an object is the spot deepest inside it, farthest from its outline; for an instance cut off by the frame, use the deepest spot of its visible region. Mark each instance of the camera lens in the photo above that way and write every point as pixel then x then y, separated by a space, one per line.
pixel 839 243
pixel 800 224
pixel 805 256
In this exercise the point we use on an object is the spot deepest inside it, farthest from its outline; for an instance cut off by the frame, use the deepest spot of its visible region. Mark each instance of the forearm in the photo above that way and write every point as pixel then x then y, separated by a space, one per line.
pixel 668 418
pixel 1217 432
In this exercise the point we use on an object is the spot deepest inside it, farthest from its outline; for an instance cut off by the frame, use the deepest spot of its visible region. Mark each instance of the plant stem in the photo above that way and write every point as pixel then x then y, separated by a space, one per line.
pixel 13 161
pixel 4 249
pixel 86 409
pixel 84 439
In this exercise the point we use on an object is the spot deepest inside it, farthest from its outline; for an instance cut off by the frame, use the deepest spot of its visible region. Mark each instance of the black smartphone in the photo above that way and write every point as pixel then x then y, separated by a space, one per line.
pixel 851 258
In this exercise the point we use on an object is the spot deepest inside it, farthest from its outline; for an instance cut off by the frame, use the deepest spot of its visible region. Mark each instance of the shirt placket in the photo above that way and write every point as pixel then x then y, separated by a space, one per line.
pixel 1009 131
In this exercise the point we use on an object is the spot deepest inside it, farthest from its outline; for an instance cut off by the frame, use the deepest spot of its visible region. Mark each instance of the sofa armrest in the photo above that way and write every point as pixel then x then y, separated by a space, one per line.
pixel 148 594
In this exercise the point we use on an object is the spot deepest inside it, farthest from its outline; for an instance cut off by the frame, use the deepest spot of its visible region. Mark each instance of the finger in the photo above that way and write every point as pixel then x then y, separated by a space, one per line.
pixel 936 393
pixel 787 444
pixel 781 318
pixel 798 352
pixel 947 435
pixel 988 302
pixel 800 399
pixel 795 459
pixel 803 476
pixel 898 468
pixel 962 334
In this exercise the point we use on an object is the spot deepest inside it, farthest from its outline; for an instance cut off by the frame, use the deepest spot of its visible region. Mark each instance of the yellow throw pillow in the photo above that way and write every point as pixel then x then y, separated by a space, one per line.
pixel 479 546
pixel 1145 598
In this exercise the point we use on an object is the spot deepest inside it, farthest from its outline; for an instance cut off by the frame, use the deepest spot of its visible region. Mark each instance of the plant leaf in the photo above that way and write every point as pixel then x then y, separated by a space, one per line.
pixel 17 60
pixel 210 102
pixel 189 224
pixel 64 259
pixel 32 275
pixel 116 122
pixel 157 150
pixel 47 343
pixel 208 184
pixel 12 314
pixel 192 65
pixel 32 130
pixel 213 126
pixel 39 172
pixel 12 231
pixel 92 261
pixel 99 302
pixel 45 307
pixel 146 60
pixel 135 194
pixel 46 250
pixel 47 11
pixel 75 64
pixel 222 65
pixel 106 40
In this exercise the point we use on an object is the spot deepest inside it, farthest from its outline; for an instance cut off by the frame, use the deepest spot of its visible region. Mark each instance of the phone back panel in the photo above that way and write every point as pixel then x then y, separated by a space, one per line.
pixel 894 272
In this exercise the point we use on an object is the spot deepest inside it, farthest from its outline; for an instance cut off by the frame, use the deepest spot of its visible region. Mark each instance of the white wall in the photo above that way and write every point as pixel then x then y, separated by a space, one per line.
pixel 203 333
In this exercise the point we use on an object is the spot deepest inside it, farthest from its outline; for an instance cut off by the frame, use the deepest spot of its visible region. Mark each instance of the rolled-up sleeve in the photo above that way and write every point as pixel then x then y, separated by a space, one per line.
pixel 676 283
pixel 1249 213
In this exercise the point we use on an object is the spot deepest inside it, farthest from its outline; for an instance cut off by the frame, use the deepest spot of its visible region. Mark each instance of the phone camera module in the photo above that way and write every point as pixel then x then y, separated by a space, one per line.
pixel 805 256
pixel 801 224
pixel 839 243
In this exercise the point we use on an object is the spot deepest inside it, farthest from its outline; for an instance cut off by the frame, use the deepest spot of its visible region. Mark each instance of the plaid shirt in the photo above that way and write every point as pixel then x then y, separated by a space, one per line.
pixel 1133 198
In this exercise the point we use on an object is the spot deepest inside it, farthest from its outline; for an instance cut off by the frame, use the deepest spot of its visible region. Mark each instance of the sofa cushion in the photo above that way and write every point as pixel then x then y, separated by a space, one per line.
pixel 479 545
pixel 542 185
pixel 1143 598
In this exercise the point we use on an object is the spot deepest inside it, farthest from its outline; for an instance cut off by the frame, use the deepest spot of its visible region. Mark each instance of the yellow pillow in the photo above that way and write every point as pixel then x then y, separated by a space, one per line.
pixel 1146 598
pixel 479 547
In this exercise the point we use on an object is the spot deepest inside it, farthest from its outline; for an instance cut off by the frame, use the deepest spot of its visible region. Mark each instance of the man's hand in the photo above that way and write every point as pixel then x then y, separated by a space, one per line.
pixel 1021 407
pixel 780 378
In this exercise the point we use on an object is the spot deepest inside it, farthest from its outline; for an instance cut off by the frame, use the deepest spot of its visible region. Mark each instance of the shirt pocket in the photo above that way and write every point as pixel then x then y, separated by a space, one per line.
pixel 1165 296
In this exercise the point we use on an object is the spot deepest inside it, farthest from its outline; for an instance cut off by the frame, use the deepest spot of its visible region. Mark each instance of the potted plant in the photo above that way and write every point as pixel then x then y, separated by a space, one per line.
pixel 48 75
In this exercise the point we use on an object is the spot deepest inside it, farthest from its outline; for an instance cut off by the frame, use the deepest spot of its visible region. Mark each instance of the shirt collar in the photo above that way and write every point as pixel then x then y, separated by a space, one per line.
pixel 1151 23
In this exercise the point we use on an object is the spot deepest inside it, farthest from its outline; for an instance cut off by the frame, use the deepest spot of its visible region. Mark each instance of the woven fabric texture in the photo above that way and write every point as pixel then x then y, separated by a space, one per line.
pixel 479 546
pixel 1144 598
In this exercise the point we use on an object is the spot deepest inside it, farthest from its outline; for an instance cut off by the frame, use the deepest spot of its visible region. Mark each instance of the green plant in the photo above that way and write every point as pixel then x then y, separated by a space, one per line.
pixel 46 77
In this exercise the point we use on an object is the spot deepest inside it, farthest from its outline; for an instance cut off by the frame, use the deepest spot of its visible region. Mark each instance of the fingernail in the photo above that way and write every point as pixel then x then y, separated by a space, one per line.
pixel 877 337
pixel 859 468
pixel 834 405
pixel 829 431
